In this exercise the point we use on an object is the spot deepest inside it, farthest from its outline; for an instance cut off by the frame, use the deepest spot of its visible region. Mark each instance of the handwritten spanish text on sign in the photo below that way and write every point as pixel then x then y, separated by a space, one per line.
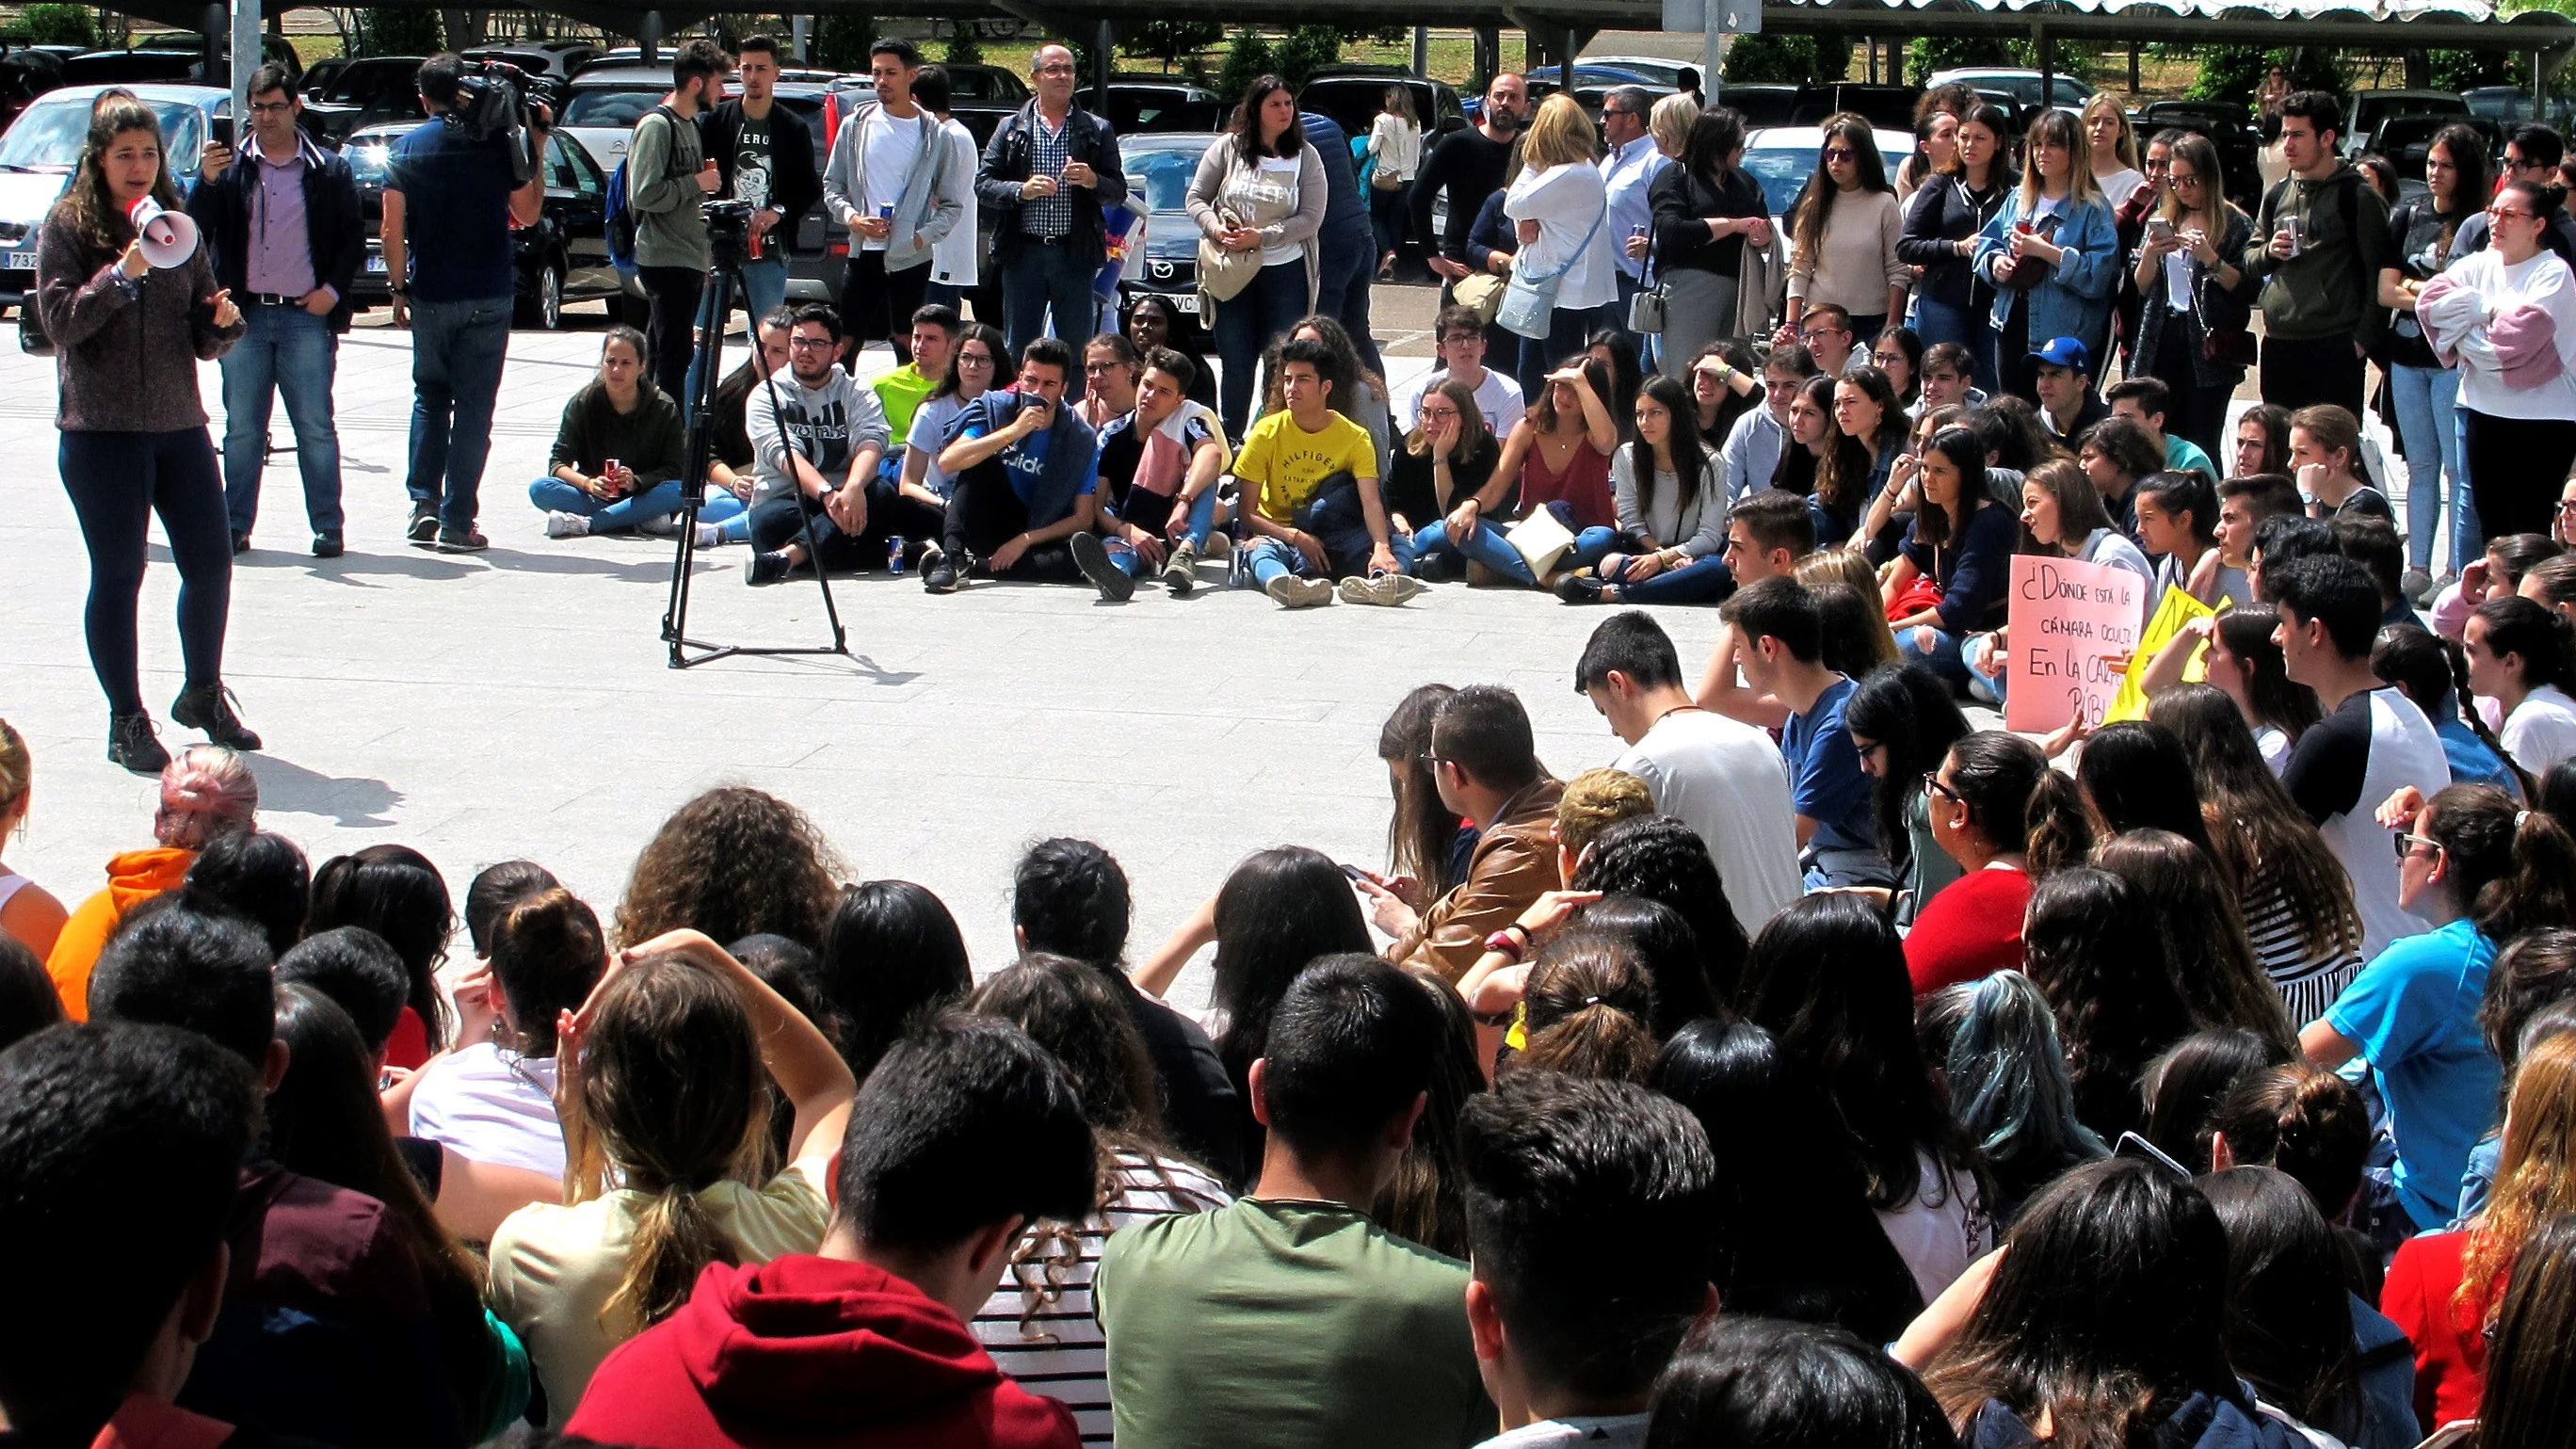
pixel 2070 621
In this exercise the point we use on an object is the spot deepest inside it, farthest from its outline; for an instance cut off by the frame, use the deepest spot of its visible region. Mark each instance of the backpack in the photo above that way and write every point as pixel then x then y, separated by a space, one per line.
pixel 617 218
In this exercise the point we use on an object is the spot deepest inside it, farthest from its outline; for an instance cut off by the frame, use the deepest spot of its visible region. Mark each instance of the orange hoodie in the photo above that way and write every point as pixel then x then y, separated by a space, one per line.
pixel 132 878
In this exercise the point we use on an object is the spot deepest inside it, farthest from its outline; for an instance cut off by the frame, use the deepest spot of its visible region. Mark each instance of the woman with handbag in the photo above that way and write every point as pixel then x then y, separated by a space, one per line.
pixel 2052 252
pixel 2194 303
pixel 1952 301
pixel 1708 209
pixel 1842 235
pixel 1564 277
pixel 1395 154
pixel 1258 197
pixel 2425 392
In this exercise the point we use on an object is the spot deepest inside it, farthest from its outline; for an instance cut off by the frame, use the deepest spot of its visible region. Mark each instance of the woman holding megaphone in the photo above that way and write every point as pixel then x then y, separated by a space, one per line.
pixel 131 305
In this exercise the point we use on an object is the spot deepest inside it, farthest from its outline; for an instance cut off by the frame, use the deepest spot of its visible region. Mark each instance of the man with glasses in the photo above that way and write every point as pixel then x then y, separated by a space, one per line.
pixel 816 437
pixel 1468 164
pixel 1461 343
pixel 284 233
pixel 2320 239
pixel 1826 332
pixel 1047 173
pixel 1626 172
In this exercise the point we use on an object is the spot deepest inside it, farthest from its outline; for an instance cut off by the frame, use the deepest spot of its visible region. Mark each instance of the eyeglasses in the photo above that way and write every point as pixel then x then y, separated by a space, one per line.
pixel 1932 784
pixel 1839 153
pixel 1809 334
pixel 1089 368
pixel 2500 213
pixel 1057 69
pixel 271 108
pixel 973 359
pixel 2406 843
pixel 2182 178
pixel 1431 414
pixel 813 343
pixel 1884 359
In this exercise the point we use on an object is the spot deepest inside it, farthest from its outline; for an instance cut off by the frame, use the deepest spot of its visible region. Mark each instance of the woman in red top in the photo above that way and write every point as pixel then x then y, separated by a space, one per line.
pixel 1988 802
pixel 1561 455
pixel 2444 1288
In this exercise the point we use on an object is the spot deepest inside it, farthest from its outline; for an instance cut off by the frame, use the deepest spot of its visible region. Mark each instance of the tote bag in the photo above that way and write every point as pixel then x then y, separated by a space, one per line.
pixel 1529 301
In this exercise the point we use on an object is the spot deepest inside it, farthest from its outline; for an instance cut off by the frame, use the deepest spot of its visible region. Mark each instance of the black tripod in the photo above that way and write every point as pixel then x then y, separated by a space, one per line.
pixel 723 283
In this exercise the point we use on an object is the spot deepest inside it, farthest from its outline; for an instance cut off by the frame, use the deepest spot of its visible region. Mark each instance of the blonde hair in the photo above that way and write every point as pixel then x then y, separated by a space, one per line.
pixel 2126 147
pixel 1561 136
pixel 207 793
pixel 2080 184
pixel 1596 800
pixel 1852 568
pixel 1671 120
pixel 15 767
pixel 2535 1176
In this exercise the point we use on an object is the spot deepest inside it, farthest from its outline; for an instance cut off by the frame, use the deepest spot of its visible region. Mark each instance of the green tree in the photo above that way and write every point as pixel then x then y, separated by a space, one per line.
pixel 59 25
pixel 399 32
pixel 1306 50
pixel 840 40
pixel 964 46
pixel 1770 58
pixel 1169 40
pixel 2232 72
pixel 1247 59
pixel 2460 70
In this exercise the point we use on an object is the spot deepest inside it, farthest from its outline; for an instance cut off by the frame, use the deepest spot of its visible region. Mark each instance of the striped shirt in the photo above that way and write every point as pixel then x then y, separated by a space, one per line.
pixel 1048 217
pixel 2307 984
pixel 1038 1325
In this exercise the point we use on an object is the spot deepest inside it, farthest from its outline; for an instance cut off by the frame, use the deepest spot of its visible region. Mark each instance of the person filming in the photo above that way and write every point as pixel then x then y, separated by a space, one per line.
pixel 128 337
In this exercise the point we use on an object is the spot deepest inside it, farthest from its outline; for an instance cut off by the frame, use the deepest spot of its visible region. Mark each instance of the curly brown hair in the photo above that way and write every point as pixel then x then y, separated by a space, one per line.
pixel 733 862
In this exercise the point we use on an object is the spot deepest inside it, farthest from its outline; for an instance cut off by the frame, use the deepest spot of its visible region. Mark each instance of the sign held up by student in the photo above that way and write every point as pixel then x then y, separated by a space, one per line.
pixel 2071 623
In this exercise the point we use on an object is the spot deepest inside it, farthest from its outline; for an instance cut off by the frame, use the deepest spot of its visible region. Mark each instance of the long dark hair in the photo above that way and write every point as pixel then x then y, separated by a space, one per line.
pixel 1907 710
pixel 1814 210
pixel 1715 137
pixel 1662 859
pixel 1427 1201
pixel 1247 124
pixel 1682 443
pixel 2530 1396
pixel 2207 954
pixel 2291 708
pixel 2513 870
pixel 1843 473
pixel 1276 912
pixel 1966 452
pixel 2289 1315
pixel 1827 976
pixel 2135 777
pixel 395 892
pixel 995 345
pixel 2092 945
pixel 2262 838
pixel 1422 832
pixel 2185 1084
pixel 892 955
pixel 87 204
pixel 1667 950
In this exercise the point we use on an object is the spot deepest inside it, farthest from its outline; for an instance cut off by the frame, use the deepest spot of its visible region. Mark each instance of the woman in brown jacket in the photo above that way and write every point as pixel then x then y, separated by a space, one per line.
pixel 128 337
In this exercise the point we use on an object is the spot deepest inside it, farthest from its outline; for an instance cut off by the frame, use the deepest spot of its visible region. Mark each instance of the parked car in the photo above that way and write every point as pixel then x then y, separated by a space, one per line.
pixel 127 67
pixel 2405 139
pixel 365 93
pixel 2498 103
pixel 2065 92
pixel 1653 70
pixel 42 148
pixel 2229 127
pixel 1138 104
pixel 1547 79
pixel 26 73
pixel 563 258
pixel 1761 104
pixel 1159 166
pixel 2364 110
pixel 1781 158
pixel 556 58
pixel 1880 105
pixel 603 103
pixel 1350 96
pixel 317 77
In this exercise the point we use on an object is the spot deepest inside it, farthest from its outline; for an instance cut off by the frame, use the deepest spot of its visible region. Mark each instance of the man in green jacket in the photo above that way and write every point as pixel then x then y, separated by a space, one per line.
pixel 2320 238
pixel 669 176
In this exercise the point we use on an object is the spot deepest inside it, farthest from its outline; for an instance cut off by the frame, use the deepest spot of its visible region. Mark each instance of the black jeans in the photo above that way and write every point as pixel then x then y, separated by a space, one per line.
pixel 2515 466
pixel 2298 372
pixel 2197 413
pixel 985 513
pixel 671 335
pixel 878 303
pixel 117 481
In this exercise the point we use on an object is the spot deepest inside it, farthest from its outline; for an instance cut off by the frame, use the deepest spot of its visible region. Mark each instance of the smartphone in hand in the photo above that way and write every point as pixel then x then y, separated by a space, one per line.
pixel 220 131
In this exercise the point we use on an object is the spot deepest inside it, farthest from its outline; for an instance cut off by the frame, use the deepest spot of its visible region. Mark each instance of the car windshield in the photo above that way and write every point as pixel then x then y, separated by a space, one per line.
pixel 1162 173
pixel 367 155
pixel 49 135
pixel 604 108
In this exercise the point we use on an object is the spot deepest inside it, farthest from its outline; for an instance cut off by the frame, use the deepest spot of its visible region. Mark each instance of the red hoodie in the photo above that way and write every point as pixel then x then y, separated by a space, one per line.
pixel 811 1352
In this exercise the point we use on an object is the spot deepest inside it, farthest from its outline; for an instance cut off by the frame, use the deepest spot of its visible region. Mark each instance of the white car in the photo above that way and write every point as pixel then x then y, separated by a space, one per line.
pixel 604 103
pixel 1783 157
pixel 2065 92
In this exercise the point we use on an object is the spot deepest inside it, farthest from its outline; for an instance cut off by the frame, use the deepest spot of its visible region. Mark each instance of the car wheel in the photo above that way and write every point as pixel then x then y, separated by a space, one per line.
pixel 541 304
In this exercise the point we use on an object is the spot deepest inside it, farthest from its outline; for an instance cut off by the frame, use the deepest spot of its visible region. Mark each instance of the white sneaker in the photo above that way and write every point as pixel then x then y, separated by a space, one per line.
pixel 1392 589
pixel 566 525
pixel 666 526
pixel 710 535
pixel 1292 592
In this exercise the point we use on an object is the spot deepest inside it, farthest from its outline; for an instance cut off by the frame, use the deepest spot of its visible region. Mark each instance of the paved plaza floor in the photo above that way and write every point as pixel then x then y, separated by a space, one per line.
pixel 518 703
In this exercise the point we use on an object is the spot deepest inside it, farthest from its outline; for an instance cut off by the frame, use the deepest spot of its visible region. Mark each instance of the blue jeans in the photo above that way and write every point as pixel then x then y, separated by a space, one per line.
pixel 554 495
pixel 457 349
pixel 293 352
pixel 2428 432
pixel 1202 522
pixel 1487 546
pixel 1942 658
pixel 1937 322
pixel 1343 272
pixel 1390 217
pixel 1048 278
pixel 1701 580
pixel 1248 322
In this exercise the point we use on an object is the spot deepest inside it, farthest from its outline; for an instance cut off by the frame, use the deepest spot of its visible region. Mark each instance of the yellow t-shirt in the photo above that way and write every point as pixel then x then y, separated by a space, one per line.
pixel 1287 461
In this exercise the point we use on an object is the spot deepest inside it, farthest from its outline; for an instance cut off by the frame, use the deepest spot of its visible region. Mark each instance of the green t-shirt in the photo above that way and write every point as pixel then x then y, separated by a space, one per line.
pixel 901 391
pixel 1286 1325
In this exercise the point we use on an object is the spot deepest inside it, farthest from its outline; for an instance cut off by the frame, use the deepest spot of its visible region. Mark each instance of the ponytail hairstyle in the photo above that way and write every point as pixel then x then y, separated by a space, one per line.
pixel 2512 870
pixel 2544 197
pixel 2557 576
pixel 547 953
pixel 666 1098
pixel 1587 1010
pixel 207 793
pixel 2425 667
pixel 2302 1119
pixel 2136 777
pixel 2209 961
pixel 2286 706
pixel 2184 1084
pixel 2017 802
pixel 2520 553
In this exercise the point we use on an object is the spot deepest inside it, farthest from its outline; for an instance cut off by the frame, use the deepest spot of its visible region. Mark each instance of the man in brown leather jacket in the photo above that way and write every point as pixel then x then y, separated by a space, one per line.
pixel 1489 772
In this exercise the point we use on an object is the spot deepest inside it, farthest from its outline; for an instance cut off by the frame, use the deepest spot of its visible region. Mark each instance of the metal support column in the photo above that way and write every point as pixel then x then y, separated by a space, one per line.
pixel 648 39
pixel 1422 50
pixel 799 29
pixel 245 60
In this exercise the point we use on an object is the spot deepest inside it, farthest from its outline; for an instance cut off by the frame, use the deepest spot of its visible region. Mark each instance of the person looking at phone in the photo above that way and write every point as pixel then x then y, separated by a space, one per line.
pixel 1047 173
pixel 1028 478
pixel 286 239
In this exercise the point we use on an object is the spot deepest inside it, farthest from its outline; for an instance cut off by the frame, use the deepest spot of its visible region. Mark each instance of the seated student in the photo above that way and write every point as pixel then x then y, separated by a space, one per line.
pixel 207 793
pixel 2065 515
pixel 1028 478
pixel 1289 1318
pixel 1725 383
pixel 816 437
pixel 729 475
pixel 301 1248
pixel 934 351
pixel 1558 458
pixel 1749 455
pixel 120 1148
pixel 1780 648
pixel 1443 475
pixel 1945 379
pixel 1459 335
pixel 1671 543
pixel 1767 1383
pixel 1488 772
pixel 2280 541
pixel 1826 331
pixel 2325 458
pixel 2243 506
pixel 2423 667
pixel 2499 570
pixel 493 1098
pixel 263 878
pixel 2145 400
pixel 1767 533
pixel 917 499
pixel 1588 1204
pixel 1111 368
pixel 1720 776
pixel 2373 543
pixel 1960 544
pixel 2176 516
pixel 970 1134
pixel 1159 461
pixel 1069 898
pixel 2062 375
pixel 2372 742
pixel 1308 506
pixel 2116 453
pixel 1992 795
pixel 2522 655
pixel 620 452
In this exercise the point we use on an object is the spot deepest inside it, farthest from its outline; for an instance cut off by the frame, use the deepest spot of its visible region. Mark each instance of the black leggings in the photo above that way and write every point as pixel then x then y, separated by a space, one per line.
pixel 2515 467
pixel 985 513
pixel 117 481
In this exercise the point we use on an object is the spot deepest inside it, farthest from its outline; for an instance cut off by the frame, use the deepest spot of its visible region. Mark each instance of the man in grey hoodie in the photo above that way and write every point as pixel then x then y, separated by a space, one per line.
pixel 668 179
pixel 816 438
pixel 893 183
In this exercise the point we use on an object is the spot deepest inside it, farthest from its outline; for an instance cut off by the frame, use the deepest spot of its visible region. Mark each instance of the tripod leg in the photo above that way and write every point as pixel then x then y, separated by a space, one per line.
pixel 701 451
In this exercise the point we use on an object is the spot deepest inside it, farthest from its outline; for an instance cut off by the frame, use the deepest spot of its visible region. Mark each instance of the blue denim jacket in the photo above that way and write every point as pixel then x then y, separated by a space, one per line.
pixel 2075 301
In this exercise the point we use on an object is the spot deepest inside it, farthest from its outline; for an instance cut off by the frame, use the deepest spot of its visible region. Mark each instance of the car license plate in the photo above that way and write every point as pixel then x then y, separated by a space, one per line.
pixel 1184 301
pixel 376 262
pixel 17 261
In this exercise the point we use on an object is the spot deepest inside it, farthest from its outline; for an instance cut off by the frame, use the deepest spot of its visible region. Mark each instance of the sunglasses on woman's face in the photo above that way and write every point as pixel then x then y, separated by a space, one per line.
pixel 1839 153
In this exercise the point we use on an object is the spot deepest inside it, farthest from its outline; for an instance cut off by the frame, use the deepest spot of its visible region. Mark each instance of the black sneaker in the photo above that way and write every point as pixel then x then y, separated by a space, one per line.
pixel 941 577
pixel 932 556
pixel 765 567
pixel 241 541
pixel 1578 589
pixel 209 707
pixel 133 742
pixel 450 541
pixel 423 528
pixel 327 545
pixel 1103 571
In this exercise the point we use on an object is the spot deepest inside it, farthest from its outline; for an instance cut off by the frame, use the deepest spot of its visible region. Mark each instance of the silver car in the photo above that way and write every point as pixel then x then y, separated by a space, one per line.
pixel 42 148
pixel 1159 166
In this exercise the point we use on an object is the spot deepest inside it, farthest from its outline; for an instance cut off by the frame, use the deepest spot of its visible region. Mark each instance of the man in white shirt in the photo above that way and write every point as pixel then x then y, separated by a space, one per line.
pixel 891 184
pixel 1720 776
pixel 1460 337
pixel 1626 173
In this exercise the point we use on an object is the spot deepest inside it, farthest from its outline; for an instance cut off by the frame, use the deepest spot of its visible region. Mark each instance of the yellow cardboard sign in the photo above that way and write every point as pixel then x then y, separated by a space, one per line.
pixel 2175 610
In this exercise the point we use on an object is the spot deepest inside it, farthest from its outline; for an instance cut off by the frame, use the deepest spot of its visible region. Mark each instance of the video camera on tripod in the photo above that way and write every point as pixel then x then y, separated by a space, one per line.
pixel 492 99
pixel 728 228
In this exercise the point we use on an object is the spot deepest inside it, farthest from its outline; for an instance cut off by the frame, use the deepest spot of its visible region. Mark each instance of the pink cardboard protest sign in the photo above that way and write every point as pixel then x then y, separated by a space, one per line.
pixel 2071 622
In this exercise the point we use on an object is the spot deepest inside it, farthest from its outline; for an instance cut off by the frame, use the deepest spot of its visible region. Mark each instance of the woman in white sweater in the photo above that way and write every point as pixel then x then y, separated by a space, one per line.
pixel 1842 235
pixel 1561 208
pixel 1259 189
pixel 2517 404
pixel 1395 144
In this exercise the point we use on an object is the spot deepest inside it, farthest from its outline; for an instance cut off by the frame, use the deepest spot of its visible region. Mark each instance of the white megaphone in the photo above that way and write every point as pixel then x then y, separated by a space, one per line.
pixel 169 237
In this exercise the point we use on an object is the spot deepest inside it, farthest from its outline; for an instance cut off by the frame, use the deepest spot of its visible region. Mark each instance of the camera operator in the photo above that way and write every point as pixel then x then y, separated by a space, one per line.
pixel 452 196
pixel 763 156
pixel 669 178
pixel 285 236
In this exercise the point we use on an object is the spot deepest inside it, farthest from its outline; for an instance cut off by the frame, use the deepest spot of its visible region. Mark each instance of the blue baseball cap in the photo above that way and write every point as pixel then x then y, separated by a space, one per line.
pixel 2064 352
